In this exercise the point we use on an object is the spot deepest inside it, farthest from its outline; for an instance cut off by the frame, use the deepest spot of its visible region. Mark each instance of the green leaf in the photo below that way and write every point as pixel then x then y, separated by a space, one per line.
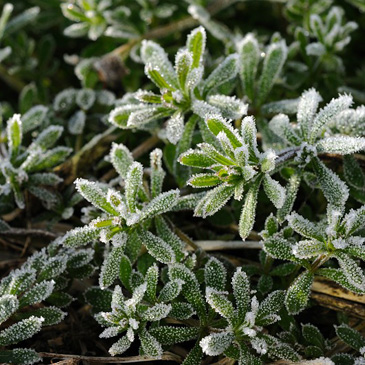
pixel 281 126
pixel 99 299
pixel 248 213
pixel 121 158
pixel 8 305
pixel 183 63
pixel 269 307
pixel 249 58
pixel 215 274
pixel 156 313
pixel 19 356
pixel 151 280
pixel 274 191
pixel 125 271
pixel 219 124
pixel 51 315
pixel 334 189
pixel 196 45
pixel 205 180
pixel 227 70
pixel 14 134
pixel 313 335
pixel 121 346
pixel 220 303
pixel 342 145
pixel 195 158
pixel 111 267
pixel 157 247
pixel 350 336
pixel 48 137
pixel 353 272
pixel 20 331
pixel 296 298
pixel 169 335
pixel 216 343
pixel 171 290
pixel 354 175
pixel 81 236
pixel 241 292
pixel 214 200
pixel 274 61
pixel 191 289
pixel 38 293
pixel 53 268
pixel 292 188
pixel 195 356
pixel 150 345
pixel 133 183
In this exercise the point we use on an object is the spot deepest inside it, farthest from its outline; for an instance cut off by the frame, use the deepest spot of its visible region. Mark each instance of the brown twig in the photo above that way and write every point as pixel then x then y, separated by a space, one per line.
pixel 20 232
pixel 167 356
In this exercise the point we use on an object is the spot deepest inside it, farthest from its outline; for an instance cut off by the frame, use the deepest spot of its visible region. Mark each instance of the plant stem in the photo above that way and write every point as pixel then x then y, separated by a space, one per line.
pixel 11 80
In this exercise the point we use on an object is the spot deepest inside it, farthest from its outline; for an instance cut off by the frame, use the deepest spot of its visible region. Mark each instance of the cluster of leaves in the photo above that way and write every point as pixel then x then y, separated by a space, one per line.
pixel 232 119
pixel 31 297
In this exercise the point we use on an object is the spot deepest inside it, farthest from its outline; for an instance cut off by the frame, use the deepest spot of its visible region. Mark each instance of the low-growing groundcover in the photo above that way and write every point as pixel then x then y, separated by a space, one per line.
pixel 137 137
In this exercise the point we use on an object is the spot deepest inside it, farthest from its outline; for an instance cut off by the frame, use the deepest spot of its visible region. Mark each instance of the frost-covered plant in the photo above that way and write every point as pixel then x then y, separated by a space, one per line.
pixel 238 169
pixel 112 18
pixel 245 320
pixel 332 238
pixel 183 90
pixel 126 219
pixel 28 168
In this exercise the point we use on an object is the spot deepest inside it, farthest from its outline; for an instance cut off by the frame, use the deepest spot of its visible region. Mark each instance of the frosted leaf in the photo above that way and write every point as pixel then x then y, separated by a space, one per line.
pixel 157 247
pixel 229 106
pixel 285 106
pixel 216 343
pixel 249 131
pixel 191 288
pixel 157 312
pixel 171 290
pixel 343 145
pixel 217 124
pixel 121 158
pixel 195 158
pixel 220 303
pixel 21 331
pixel 156 57
pixel 216 155
pixel 34 117
pixel 268 308
pixel 307 109
pixel 175 128
pixel 203 109
pixel 350 336
pixel 279 248
pixel 195 76
pixel 130 332
pixel 181 311
pixel 120 115
pixel 215 274
pixel 241 292
pixel 325 115
pixel 157 172
pixel 292 188
pixel 226 71
pixel 85 98
pixel 47 138
pixel 151 279
pixel 120 346
pixel 309 248
pixel 267 160
pixel 214 200
pixel 15 134
pixel 141 117
pixel 274 191
pixel 137 296
pixel 315 49
pixel 259 345
pixel 22 356
pixel 297 295
pixel 281 126
pixel 94 193
pixel 64 100
pixel 278 349
pixel 8 305
pixel 354 220
pixel 183 63
pixel 133 183
pixel 81 236
pixel 275 58
pixel 76 123
pixel 110 332
pixel 248 213
pixel 38 293
pixel 304 227
pixel 241 156
pixel 169 335
pixel 352 270
pixel 150 345
pixel 196 45
pixel 334 189
pixel 110 268
pixel 249 58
